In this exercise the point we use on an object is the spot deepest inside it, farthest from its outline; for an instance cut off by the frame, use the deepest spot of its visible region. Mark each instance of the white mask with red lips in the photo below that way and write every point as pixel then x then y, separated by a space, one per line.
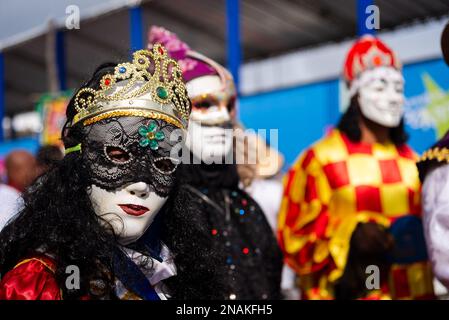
pixel 130 182
pixel 207 137
pixel 381 95
pixel 129 210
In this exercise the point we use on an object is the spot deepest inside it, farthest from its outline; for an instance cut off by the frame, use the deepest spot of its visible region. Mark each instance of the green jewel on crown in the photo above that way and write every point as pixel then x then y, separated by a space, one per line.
pixel 151 85
pixel 151 135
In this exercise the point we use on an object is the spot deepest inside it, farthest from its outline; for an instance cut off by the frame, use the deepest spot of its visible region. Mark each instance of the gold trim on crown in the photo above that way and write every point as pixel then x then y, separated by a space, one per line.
pixel 150 86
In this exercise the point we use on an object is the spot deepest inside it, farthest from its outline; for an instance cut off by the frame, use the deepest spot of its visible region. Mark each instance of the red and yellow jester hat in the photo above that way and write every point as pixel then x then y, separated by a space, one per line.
pixel 367 53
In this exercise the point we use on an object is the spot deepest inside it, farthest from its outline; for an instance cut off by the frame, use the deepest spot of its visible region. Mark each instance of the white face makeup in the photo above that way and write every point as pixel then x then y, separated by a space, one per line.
pixel 210 144
pixel 209 100
pixel 207 137
pixel 381 96
pixel 129 210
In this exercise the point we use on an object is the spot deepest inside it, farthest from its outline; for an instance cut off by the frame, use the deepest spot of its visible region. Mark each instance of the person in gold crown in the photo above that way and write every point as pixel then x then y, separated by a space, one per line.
pixel 350 221
pixel 105 222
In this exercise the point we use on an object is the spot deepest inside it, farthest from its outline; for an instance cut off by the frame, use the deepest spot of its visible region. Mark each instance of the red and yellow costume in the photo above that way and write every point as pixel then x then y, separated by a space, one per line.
pixel 31 279
pixel 339 183
pixel 332 187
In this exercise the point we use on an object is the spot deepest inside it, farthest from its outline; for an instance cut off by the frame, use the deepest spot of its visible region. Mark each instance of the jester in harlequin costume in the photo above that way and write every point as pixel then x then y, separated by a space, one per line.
pixel 108 209
pixel 247 246
pixel 434 173
pixel 352 199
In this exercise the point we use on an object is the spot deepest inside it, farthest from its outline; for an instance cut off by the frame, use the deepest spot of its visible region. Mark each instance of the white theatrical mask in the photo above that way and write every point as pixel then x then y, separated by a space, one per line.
pixel 381 95
pixel 129 210
pixel 207 139
pixel 210 144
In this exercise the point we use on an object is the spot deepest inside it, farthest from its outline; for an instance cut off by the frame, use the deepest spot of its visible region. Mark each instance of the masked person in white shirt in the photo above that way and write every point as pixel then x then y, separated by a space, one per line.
pixel 434 173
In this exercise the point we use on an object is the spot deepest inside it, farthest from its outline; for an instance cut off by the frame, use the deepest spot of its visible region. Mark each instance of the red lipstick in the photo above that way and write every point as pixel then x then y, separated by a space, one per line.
pixel 133 209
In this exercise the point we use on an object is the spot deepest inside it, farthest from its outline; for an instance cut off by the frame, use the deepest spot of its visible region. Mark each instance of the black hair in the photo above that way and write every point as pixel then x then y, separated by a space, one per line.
pixel 49 154
pixel 58 219
pixel 349 125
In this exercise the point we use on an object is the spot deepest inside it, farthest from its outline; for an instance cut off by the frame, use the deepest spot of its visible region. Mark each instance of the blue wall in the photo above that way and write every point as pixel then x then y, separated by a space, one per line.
pixel 422 97
pixel 303 114
pixel 30 144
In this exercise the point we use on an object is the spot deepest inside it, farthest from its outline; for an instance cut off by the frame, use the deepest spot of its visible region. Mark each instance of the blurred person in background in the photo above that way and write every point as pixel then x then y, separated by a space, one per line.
pixel 46 157
pixel 20 169
pixel 10 203
pixel 352 200
pixel 434 173
pixel 262 179
pixel 242 235
pixel 20 172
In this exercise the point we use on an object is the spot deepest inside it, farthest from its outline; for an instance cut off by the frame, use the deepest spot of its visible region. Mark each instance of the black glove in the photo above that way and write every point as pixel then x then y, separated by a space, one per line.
pixel 371 240
pixel 370 244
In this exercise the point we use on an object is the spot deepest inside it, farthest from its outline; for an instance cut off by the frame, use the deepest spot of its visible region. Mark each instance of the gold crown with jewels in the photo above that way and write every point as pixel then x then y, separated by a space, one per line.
pixel 150 86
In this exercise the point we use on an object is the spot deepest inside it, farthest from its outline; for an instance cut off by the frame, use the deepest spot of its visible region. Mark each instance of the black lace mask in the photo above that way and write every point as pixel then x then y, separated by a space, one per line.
pixel 124 150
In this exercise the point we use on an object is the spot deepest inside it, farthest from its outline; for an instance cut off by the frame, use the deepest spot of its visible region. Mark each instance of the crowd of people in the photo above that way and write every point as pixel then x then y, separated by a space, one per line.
pixel 145 204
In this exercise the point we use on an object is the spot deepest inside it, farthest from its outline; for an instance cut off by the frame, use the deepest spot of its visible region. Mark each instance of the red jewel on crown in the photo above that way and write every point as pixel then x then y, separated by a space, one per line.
pixel 377 60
